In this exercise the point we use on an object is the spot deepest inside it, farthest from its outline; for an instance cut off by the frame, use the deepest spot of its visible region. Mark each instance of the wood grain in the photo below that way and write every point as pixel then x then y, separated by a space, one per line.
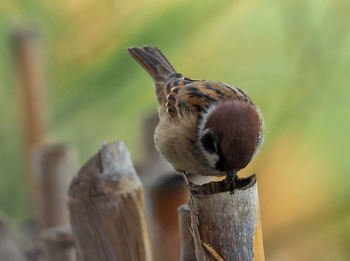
pixel 226 224
pixel 107 209
pixel 187 243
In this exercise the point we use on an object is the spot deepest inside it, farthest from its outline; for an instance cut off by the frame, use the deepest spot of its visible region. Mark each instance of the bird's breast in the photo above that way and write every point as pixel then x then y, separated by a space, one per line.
pixel 177 142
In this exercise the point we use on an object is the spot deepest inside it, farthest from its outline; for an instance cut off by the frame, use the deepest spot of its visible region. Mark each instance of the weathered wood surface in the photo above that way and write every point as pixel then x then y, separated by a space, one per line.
pixel 59 243
pixel 226 226
pixel 107 209
pixel 53 168
pixel 187 243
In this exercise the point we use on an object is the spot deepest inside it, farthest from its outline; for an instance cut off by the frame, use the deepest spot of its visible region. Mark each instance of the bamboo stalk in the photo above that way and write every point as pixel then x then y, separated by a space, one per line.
pixel 107 209
pixel 29 61
pixel 53 167
pixel 226 225
pixel 59 243
pixel 30 73
pixel 187 243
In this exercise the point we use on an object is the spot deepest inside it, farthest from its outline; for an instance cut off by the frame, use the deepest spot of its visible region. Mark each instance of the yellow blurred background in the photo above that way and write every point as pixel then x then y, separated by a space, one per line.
pixel 292 57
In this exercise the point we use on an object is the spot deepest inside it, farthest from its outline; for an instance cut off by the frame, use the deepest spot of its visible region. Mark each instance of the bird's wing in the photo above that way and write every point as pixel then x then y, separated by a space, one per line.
pixel 184 95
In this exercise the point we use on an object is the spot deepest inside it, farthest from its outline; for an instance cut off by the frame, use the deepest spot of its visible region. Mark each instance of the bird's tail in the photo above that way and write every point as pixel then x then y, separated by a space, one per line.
pixel 157 65
pixel 153 61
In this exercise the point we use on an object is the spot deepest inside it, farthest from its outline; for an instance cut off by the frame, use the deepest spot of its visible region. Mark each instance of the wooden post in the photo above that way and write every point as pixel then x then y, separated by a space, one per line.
pixel 166 195
pixel 53 167
pixel 107 209
pixel 226 225
pixel 29 60
pixel 187 243
pixel 59 243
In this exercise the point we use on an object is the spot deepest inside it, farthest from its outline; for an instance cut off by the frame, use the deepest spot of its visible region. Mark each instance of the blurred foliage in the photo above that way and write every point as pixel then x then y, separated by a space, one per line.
pixel 292 57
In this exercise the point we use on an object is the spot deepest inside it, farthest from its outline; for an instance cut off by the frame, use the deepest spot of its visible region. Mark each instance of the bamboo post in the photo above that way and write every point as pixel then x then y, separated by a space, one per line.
pixel 166 195
pixel 107 209
pixel 187 243
pixel 53 167
pixel 226 225
pixel 29 61
pixel 59 243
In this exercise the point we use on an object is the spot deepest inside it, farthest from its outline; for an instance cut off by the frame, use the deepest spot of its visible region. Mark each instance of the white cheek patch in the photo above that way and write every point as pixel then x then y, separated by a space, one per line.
pixel 204 117
pixel 212 158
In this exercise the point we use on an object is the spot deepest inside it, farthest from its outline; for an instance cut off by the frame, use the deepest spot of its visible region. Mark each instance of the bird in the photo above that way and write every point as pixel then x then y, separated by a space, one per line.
pixel 205 127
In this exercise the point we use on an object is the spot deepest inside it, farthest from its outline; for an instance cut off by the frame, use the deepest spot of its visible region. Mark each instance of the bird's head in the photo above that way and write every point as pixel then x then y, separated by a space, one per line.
pixel 230 134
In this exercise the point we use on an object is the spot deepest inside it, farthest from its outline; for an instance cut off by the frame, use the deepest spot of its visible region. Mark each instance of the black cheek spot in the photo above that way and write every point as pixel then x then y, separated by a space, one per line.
pixel 207 141
pixel 220 164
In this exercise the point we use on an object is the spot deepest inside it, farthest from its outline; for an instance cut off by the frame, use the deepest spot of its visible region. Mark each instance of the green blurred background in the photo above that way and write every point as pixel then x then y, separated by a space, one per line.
pixel 292 57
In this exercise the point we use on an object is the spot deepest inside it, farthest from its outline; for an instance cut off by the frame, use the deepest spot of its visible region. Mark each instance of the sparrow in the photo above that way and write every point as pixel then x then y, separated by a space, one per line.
pixel 205 127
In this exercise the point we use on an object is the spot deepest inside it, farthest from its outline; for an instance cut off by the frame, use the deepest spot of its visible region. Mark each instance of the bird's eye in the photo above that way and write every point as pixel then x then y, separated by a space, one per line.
pixel 209 142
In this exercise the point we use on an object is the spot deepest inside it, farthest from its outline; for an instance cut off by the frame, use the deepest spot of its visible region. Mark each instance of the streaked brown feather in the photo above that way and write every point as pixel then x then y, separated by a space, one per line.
pixel 195 96
pixel 185 118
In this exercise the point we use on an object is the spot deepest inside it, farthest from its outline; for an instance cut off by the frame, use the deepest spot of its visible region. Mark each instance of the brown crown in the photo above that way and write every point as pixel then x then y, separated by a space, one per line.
pixel 236 125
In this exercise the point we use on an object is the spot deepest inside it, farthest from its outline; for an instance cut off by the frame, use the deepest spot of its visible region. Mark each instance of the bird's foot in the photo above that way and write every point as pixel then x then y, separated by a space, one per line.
pixel 229 181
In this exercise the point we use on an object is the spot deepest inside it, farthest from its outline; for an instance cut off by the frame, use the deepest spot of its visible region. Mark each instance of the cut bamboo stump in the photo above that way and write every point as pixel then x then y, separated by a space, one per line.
pixel 53 168
pixel 226 224
pixel 107 209
pixel 187 243
pixel 59 243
